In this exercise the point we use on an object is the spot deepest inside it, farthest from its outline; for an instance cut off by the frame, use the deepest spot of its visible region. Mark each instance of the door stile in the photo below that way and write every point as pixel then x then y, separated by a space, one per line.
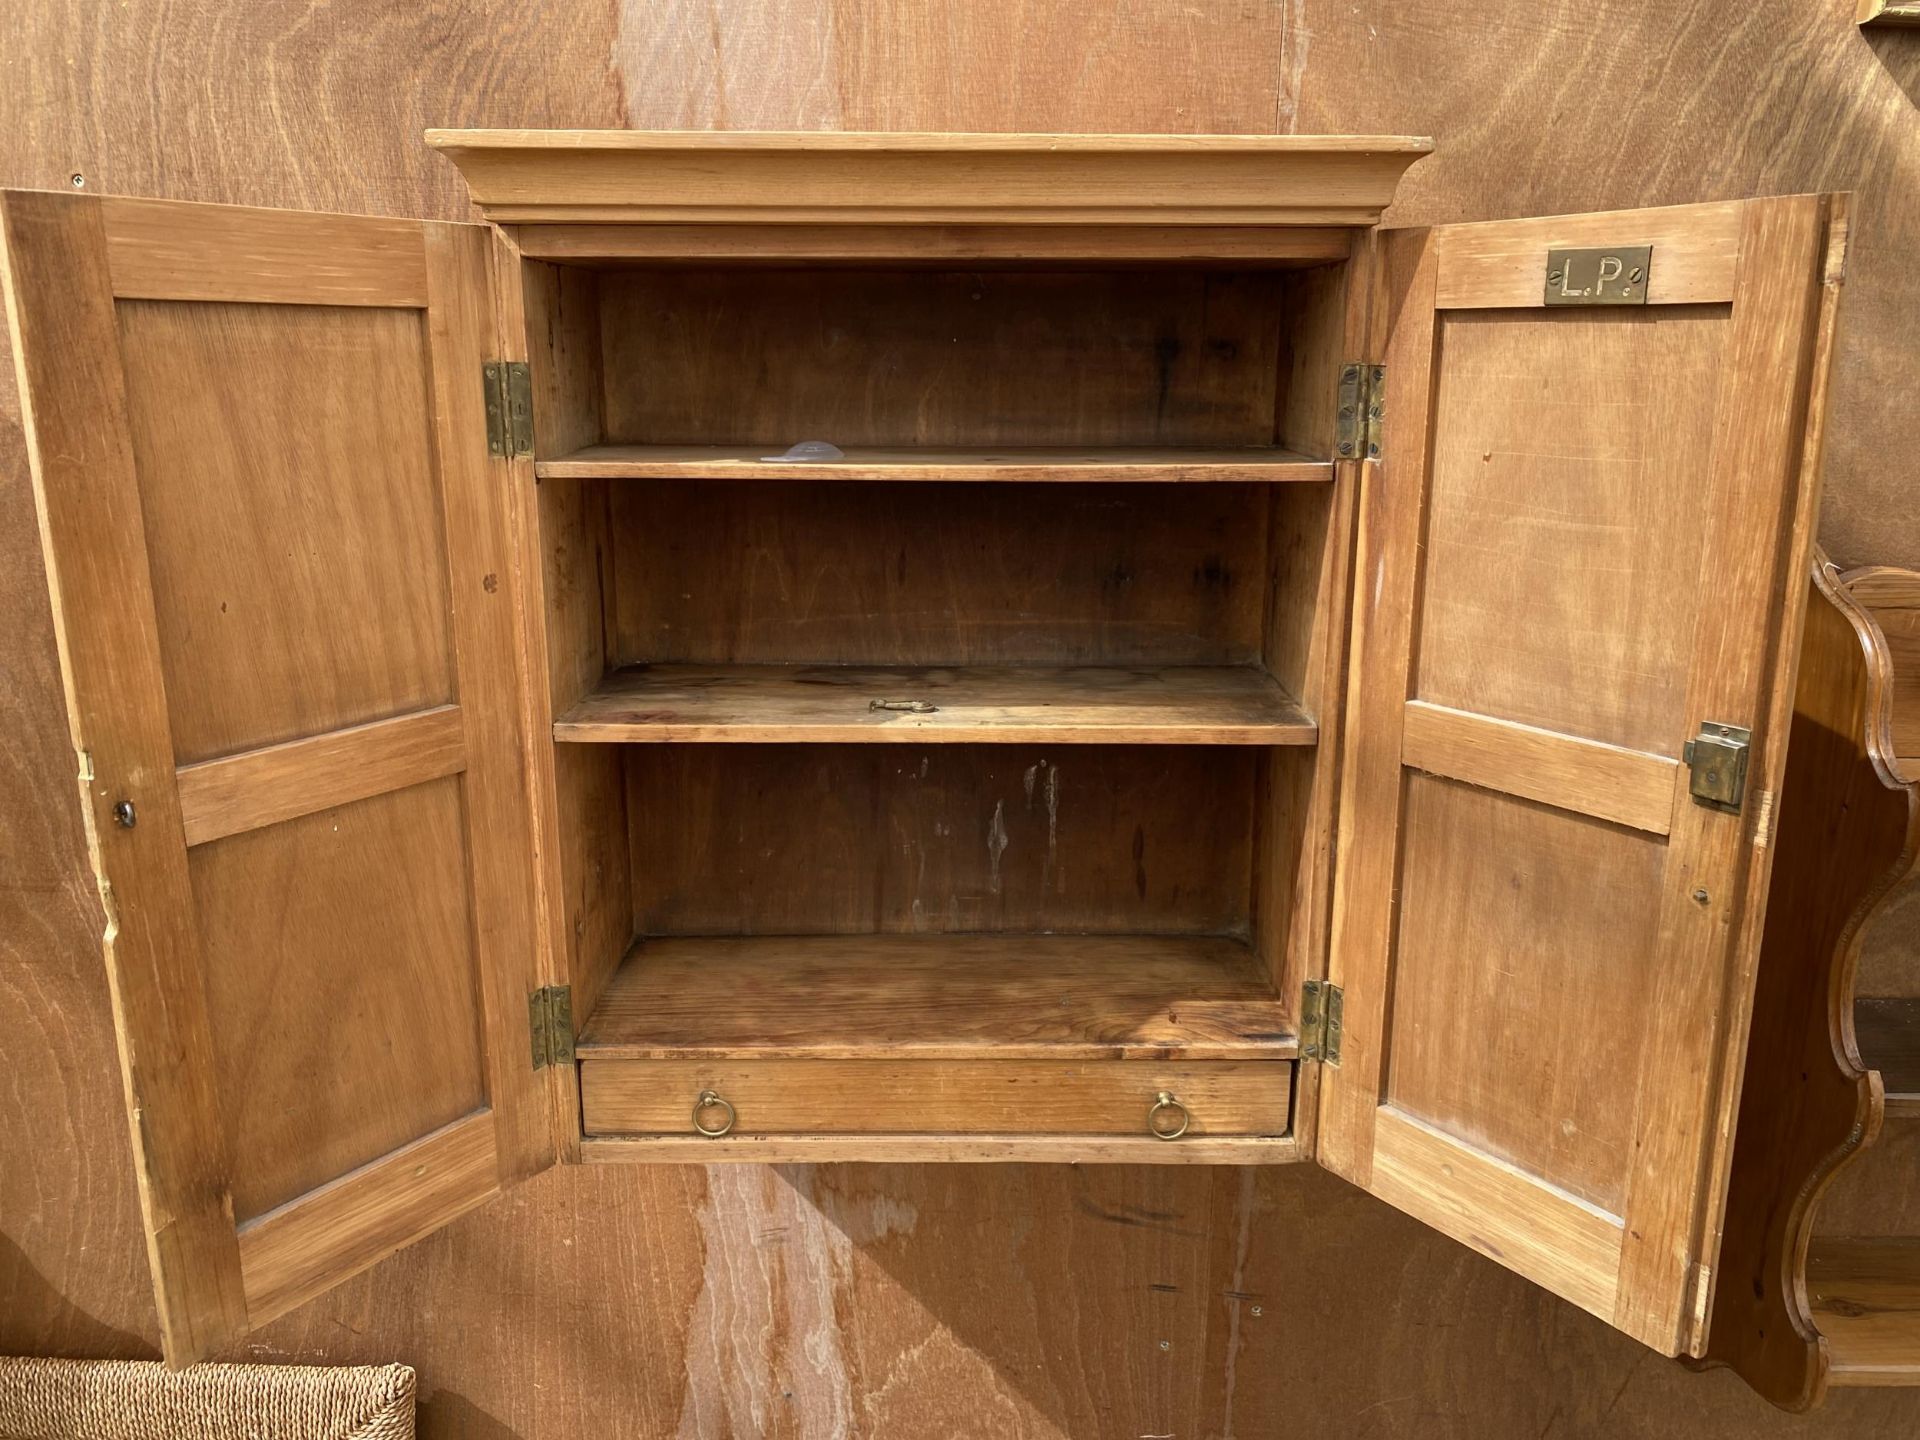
pixel 60 307
pixel 521 488
pixel 1385 570
pixel 1325 697
pixel 486 599
pixel 1761 497
pixel 1738 1235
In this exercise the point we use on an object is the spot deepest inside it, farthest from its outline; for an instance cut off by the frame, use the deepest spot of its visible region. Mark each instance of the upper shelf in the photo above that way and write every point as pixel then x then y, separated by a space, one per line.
pixel 734 177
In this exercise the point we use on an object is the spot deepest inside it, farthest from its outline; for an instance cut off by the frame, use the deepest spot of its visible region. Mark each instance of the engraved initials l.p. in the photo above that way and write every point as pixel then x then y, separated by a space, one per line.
pixel 1616 275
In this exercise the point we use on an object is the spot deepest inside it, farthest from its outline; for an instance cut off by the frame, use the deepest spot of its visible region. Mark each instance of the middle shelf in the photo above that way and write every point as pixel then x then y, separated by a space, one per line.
pixel 824 704
pixel 1008 464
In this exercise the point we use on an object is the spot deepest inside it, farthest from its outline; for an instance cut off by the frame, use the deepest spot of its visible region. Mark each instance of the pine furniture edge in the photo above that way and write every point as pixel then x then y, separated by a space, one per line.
pixel 1015 142
pixel 733 177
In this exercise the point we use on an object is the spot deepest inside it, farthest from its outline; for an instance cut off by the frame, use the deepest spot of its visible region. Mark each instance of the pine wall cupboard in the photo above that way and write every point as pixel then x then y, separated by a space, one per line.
pixel 1225 684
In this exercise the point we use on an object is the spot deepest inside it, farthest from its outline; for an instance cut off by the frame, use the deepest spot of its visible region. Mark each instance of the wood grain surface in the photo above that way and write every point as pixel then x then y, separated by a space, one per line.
pixel 961 360
pixel 1177 705
pixel 847 573
pixel 911 1300
pixel 724 462
pixel 596 175
pixel 1051 997
pixel 901 839
pixel 963 1098
pixel 1810 1111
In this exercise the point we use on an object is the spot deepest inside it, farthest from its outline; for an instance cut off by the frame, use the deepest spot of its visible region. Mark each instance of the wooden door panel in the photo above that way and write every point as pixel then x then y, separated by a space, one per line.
pixel 292 511
pixel 326 940
pixel 1562 564
pixel 1572 556
pixel 289 630
pixel 1516 935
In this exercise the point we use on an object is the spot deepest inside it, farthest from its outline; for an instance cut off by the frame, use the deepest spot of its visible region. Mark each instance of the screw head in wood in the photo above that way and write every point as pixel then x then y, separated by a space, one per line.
pixel 123 814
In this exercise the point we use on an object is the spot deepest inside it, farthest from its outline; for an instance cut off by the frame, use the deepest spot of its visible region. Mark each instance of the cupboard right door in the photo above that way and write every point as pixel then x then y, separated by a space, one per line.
pixel 1577 557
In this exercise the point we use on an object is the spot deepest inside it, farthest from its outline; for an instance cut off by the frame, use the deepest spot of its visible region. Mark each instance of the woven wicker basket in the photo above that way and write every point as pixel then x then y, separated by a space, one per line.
pixel 143 1400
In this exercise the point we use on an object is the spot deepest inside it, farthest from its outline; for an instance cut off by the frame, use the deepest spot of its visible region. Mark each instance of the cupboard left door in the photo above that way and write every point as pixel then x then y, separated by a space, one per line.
pixel 282 571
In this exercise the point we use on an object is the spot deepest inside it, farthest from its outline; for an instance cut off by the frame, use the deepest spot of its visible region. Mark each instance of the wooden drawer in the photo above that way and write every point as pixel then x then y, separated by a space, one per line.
pixel 1002 1097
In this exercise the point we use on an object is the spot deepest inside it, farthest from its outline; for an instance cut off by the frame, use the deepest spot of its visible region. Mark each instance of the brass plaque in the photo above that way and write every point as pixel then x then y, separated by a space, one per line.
pixel 1615 275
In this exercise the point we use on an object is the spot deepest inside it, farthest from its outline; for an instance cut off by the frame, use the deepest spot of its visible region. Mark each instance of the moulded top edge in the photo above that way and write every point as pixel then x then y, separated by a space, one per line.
pixel 912 141
pixel 734 177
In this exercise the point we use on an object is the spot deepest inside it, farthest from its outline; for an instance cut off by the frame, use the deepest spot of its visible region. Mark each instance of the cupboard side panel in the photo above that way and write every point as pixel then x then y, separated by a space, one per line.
pixel 1847 835
pixel 525 325
pixel 1319 308
pixel 587 873
pixel 1310 558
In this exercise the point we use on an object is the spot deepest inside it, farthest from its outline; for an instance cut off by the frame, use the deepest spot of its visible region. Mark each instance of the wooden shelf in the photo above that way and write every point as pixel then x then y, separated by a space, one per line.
pixel 1002 997
pixel 840 704
pixel 1865 1294
pixel 1251 463
pixel 1888 1032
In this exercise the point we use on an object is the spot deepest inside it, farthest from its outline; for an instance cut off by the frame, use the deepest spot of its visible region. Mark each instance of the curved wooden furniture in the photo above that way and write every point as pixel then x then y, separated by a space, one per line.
pixel 1891 595
pixel 1790 1315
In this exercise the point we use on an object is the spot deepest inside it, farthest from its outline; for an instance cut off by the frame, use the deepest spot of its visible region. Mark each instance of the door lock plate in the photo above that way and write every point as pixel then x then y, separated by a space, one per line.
pixel 1718 759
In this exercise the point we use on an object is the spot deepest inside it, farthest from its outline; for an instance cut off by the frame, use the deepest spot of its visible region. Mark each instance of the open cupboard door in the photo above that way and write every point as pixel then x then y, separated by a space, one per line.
pixel 286 598
pixel 1581 561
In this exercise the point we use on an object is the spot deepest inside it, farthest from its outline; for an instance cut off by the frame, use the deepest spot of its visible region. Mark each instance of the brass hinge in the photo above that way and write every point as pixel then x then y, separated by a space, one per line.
pixel 550 1018
pixel 508 386
pixel 1322 1006
pixel 1363 408
pixel 1717 758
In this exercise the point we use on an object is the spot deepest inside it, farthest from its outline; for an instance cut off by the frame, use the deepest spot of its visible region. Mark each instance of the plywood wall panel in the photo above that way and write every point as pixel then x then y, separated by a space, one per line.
pixel 915 1301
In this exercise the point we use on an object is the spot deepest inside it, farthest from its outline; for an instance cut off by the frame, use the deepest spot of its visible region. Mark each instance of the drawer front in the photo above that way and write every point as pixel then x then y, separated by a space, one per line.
pixel 985 1097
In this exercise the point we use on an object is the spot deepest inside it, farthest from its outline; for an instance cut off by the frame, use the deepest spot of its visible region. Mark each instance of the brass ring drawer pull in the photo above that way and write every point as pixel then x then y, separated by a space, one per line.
pixel 1166 1130
pixel 710 1100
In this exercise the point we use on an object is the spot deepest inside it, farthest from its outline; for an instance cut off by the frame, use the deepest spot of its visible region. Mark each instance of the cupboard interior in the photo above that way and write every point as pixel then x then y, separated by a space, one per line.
pixel 937 758
pixel 668 369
